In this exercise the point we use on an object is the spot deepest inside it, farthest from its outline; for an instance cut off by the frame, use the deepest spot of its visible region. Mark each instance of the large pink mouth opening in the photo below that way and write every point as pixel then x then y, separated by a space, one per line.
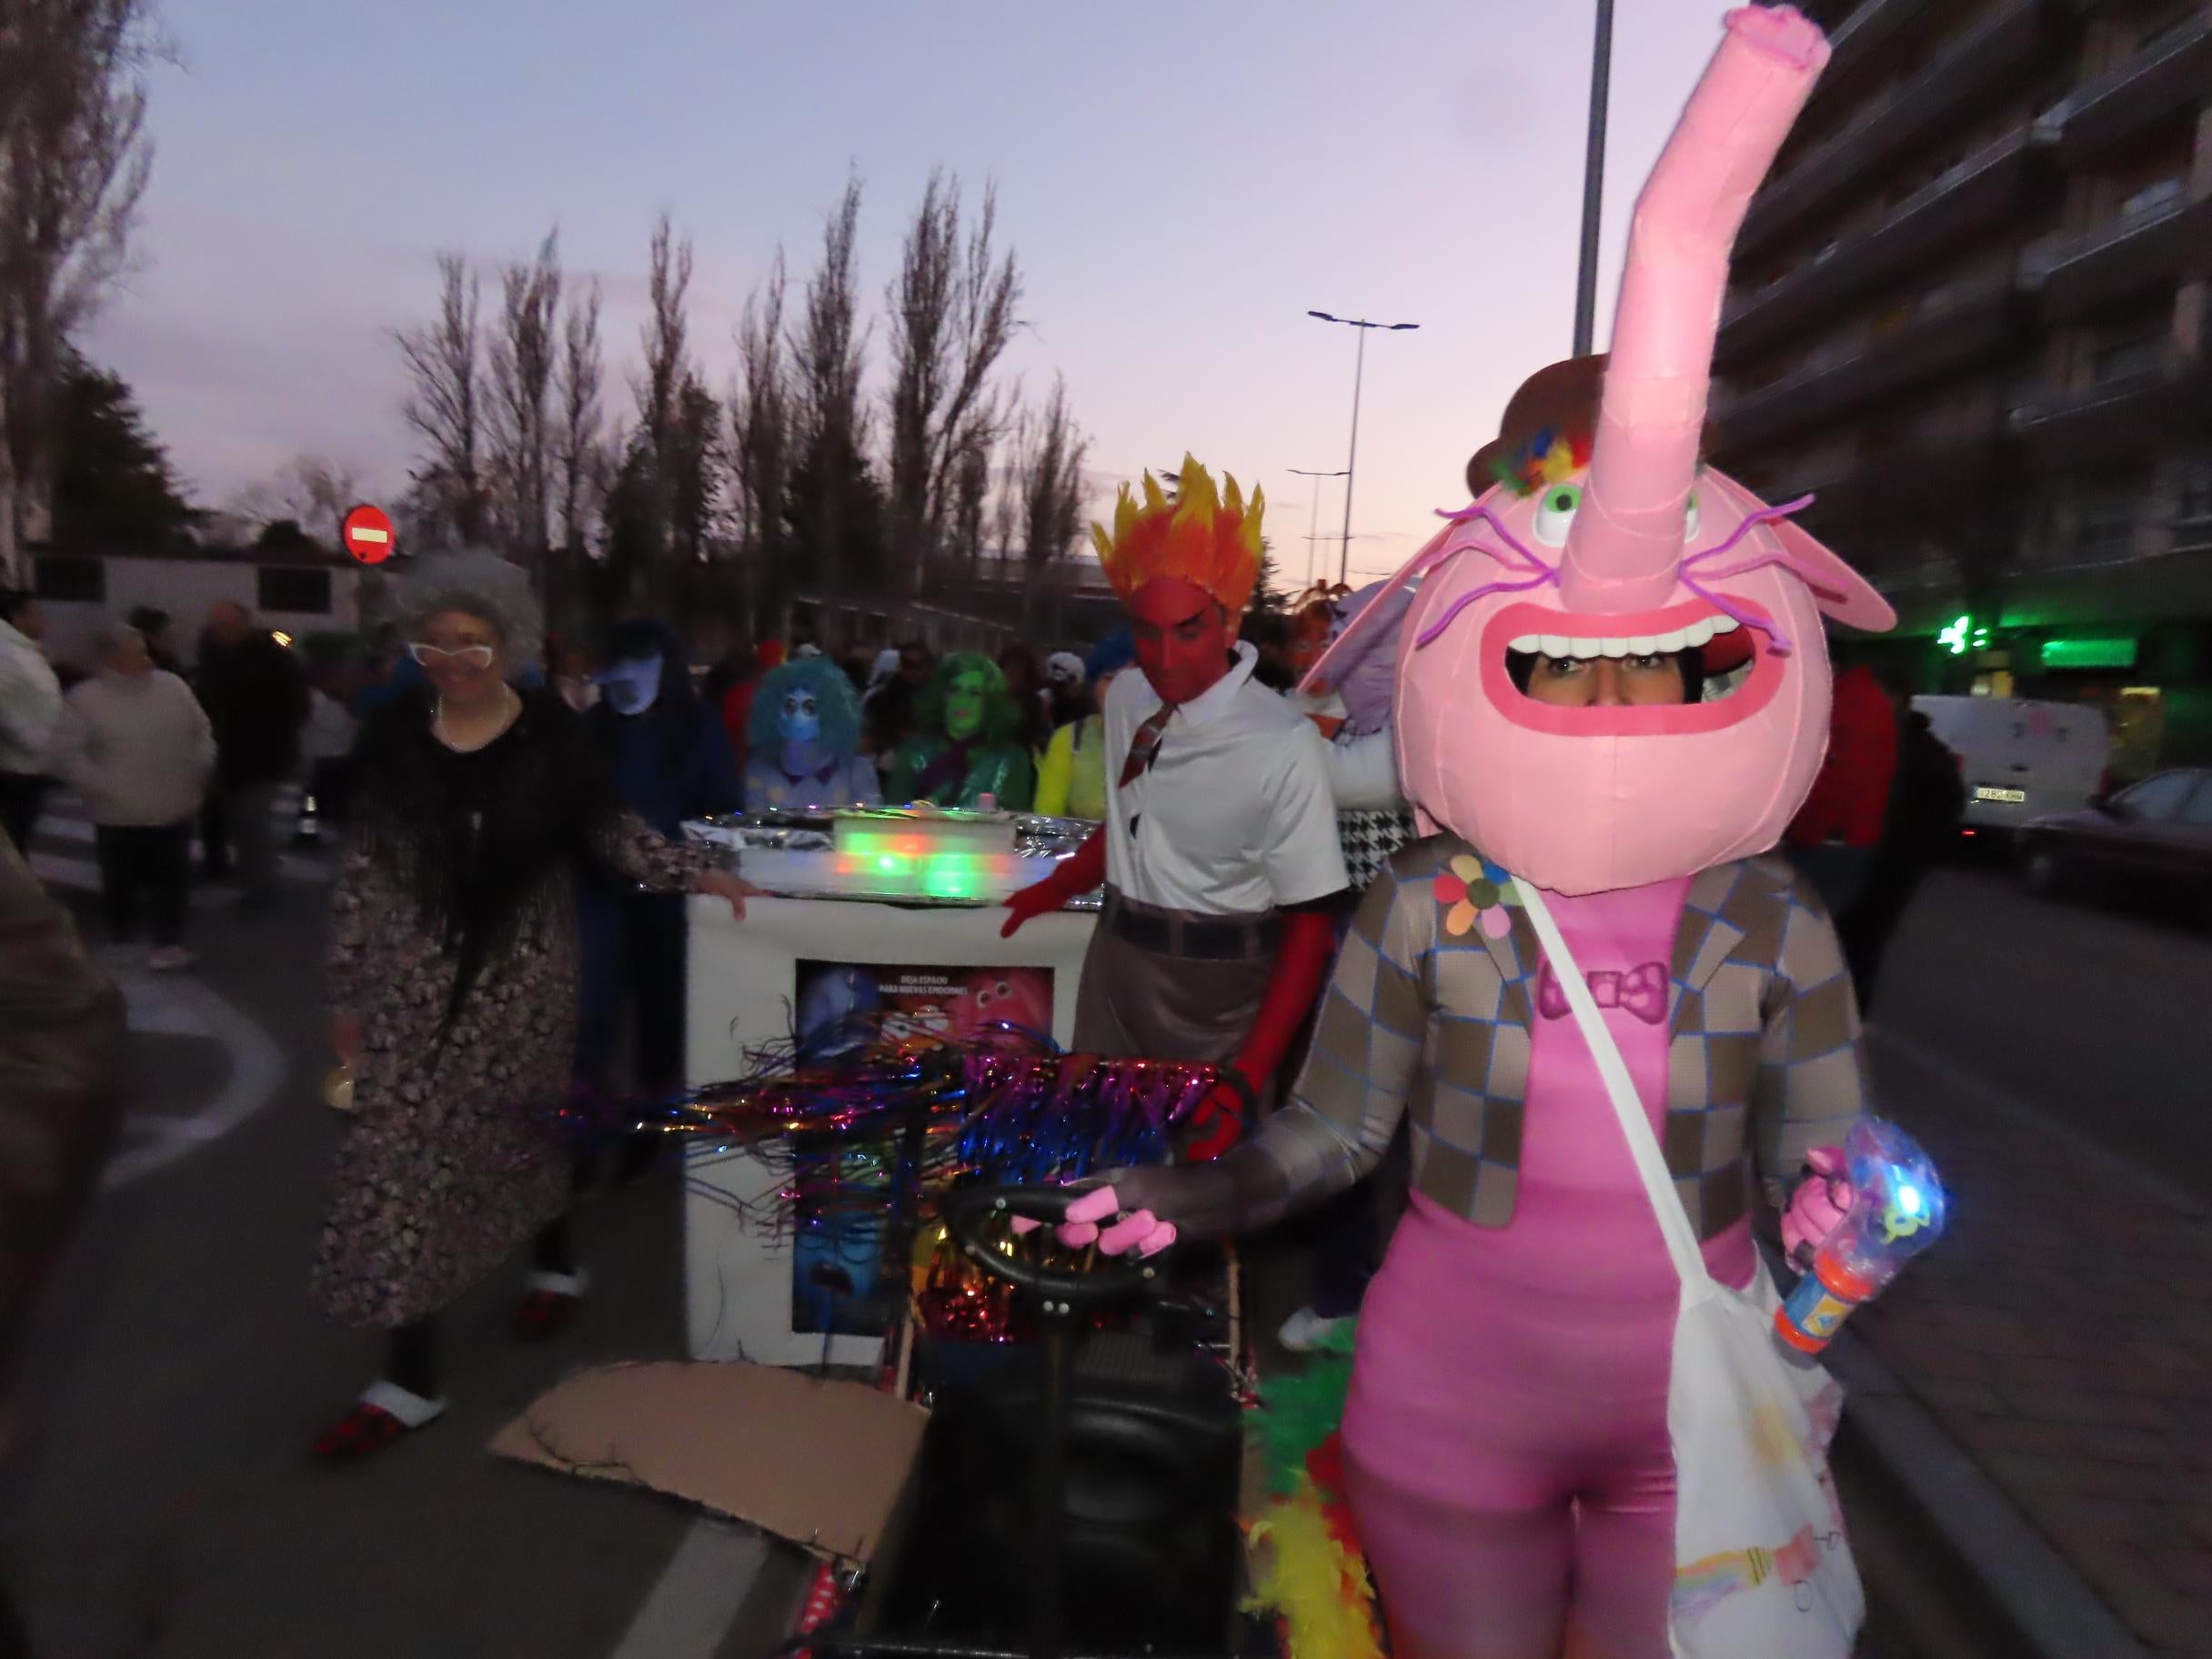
pixel 1693 625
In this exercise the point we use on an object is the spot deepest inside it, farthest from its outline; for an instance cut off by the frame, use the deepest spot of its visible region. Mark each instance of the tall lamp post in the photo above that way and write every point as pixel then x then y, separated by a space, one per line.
pixel 1314 519
pixel 1593 182
pixel 1352 459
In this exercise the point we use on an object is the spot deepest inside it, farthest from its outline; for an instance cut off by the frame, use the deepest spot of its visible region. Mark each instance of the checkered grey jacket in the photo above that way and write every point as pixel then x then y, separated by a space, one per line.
pixel 1428 1014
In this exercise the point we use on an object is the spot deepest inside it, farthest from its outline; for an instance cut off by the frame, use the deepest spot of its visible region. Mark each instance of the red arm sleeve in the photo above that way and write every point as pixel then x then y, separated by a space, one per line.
pixel 1308 941
pixel 1081 872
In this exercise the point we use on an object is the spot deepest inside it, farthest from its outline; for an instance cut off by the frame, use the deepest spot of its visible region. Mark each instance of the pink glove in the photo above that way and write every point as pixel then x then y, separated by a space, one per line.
pixel 1144 1232
pixel 1819 1204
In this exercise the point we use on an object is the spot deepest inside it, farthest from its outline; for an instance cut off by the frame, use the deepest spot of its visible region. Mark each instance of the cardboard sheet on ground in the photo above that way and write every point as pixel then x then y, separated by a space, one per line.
pixel 819 1463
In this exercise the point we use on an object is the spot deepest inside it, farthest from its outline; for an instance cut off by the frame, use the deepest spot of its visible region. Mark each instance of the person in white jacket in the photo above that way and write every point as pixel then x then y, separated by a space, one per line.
pixel 30 704
pixel 135 744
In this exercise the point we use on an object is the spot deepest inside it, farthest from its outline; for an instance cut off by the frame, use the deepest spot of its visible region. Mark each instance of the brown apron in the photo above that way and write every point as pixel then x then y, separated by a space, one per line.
pixel 1165 984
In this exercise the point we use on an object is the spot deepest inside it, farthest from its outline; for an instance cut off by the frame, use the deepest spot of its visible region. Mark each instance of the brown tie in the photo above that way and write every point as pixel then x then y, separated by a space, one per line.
pixel 1145 747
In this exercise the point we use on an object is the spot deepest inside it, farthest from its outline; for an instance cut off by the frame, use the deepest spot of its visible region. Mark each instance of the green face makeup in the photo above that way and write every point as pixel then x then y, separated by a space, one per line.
pixel 964 705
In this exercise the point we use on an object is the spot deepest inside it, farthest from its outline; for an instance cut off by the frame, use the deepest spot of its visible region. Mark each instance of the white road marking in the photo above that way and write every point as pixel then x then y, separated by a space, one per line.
pixel 188 1007
pixel 689 1611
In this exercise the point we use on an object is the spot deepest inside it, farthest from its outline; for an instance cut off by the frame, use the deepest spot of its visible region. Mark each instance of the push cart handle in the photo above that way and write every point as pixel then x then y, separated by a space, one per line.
pixel 967 1211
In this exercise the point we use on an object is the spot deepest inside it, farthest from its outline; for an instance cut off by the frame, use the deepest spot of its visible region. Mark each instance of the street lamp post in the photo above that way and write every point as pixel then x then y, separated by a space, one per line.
pixel 1352 459
pixel 1593 182
pixel 1313 519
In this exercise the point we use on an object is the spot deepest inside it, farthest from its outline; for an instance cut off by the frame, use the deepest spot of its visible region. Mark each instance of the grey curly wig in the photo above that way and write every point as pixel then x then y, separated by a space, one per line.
pixel 478 583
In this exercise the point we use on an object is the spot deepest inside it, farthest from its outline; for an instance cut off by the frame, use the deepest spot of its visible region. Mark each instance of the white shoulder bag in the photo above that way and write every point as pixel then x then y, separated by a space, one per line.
pixel 1762 1567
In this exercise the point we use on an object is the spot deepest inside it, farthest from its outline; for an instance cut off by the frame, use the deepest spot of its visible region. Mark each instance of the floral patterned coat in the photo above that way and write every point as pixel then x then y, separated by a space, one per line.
pixel 445 1167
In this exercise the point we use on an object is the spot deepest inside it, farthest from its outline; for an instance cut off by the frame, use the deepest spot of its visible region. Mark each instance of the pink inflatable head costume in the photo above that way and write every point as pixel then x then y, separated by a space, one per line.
pixel 1616 542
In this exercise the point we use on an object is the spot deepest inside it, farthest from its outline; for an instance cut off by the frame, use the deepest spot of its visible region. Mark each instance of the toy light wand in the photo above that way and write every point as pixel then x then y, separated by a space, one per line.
pixel 1897 1211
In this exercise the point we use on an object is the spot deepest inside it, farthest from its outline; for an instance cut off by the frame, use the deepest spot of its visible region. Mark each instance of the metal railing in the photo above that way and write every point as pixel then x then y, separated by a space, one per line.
pixel 2187 37
pixel 2047 253
pixel 1974 44
pixel 1839 256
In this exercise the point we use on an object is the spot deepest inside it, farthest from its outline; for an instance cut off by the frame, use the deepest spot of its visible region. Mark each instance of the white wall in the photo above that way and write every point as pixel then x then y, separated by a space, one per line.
pixel 187 588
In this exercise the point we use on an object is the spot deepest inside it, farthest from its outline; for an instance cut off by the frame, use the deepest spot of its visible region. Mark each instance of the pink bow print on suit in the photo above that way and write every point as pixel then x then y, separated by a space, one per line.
pixel 1641 992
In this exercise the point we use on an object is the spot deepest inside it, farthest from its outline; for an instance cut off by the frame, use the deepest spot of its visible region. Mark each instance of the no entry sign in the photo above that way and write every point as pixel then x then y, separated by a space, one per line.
pixel 367 533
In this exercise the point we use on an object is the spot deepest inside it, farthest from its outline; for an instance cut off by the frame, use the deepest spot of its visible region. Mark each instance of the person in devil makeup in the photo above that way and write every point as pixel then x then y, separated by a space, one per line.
pixel 1612 695
pixel 1219 853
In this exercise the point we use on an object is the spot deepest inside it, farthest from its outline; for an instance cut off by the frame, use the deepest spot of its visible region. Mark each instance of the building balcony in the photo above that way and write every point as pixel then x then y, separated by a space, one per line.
pixel 1862 34
pixel 1950 332
pixel 2147 249
pixel 1955 210
pixel 1949 89
pixel 1916 471
pixel 2129 411
pixel 2169 75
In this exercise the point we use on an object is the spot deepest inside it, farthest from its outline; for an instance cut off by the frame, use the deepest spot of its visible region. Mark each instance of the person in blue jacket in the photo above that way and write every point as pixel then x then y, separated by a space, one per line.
pixel 669 757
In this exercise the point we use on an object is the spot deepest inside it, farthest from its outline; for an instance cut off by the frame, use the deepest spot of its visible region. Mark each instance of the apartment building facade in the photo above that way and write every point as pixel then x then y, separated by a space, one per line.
pixel 1972 312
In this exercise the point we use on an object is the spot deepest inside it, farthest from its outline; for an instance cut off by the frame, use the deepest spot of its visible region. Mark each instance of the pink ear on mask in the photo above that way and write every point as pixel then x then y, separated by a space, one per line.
pixel 1841 592
pixel 1379 613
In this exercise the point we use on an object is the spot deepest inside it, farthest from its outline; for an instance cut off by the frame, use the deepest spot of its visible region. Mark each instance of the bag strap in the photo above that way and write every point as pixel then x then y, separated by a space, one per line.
pixel 1642 1144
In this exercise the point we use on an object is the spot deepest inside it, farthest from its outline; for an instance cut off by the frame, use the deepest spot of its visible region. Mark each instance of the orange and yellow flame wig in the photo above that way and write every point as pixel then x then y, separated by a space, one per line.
pixel 1208 538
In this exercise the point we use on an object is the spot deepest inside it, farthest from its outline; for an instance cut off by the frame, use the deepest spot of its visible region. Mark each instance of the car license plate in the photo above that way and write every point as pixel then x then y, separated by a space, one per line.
pixel 2009 797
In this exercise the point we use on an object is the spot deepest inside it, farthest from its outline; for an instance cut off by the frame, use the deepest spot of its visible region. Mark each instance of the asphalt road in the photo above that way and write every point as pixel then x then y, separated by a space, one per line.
pixel 160 1502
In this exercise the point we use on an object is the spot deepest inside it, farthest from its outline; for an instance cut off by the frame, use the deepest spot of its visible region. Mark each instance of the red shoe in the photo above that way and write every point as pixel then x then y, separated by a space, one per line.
pixel 549 1305
pixel 384 1414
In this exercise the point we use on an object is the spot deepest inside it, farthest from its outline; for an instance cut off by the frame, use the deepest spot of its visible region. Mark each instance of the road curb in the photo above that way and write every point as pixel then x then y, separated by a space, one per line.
pixel 2052 1611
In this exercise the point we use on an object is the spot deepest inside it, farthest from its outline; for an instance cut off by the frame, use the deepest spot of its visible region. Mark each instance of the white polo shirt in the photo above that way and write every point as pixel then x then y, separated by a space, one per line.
pixel 1236 817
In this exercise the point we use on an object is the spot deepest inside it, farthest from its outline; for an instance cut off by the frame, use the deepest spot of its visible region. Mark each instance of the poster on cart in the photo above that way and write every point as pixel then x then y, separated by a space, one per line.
pixel 763 1283
pixel 836 1257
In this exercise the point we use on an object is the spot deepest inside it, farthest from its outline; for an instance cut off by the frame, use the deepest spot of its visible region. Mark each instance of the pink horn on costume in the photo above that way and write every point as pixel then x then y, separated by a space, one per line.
pixel 1625 547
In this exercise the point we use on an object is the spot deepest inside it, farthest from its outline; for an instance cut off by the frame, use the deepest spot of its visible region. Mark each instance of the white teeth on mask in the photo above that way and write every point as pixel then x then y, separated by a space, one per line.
pixel 1687 638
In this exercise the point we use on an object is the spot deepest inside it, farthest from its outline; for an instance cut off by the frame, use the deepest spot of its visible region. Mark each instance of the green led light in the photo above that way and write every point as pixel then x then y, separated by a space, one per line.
pixel 2115 653
pixel 1955 636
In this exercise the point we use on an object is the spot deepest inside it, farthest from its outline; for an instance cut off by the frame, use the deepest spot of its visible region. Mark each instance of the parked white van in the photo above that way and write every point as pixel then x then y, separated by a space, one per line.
pixel 2021 760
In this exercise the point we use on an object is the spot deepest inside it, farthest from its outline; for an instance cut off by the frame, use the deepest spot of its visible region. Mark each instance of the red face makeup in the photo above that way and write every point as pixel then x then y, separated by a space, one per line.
pixel 1183 637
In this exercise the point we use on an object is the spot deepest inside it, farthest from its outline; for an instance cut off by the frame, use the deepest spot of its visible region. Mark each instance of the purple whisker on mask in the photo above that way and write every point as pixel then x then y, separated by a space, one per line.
pixel 1765 514
pixel 1778 641
pixel 1546 578
pixel 1530 560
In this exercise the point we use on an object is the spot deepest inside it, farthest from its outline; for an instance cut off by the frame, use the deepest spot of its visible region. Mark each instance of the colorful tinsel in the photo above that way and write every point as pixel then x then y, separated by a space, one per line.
pixel 1310 1571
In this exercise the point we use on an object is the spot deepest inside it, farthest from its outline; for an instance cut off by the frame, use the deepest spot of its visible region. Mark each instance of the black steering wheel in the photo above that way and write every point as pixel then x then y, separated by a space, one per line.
pixel 966 1209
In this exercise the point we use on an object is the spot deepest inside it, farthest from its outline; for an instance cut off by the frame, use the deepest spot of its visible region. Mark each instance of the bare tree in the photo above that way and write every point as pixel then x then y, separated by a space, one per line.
pixel 659 391
pixel 1049 450
pixel 444 404
pixel 827 347
pixel 952 313
pixel 581 374
pixel 760 444
pixel 312 490
pixel 74 158
pixel 523 356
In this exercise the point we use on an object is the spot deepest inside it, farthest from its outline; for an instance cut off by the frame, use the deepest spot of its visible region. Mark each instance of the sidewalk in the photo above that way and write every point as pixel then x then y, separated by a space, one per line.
pixel 2062 1334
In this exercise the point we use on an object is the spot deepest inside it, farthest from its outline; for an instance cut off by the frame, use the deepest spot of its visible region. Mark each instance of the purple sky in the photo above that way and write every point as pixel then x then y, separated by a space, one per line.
pixel 1182 181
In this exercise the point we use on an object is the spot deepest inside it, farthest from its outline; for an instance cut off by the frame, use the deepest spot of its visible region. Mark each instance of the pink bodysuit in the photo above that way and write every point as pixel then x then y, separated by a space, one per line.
pixel 1505 1436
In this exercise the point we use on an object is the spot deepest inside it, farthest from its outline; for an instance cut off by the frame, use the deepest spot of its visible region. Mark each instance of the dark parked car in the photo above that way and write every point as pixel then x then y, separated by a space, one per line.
pixel 2150 843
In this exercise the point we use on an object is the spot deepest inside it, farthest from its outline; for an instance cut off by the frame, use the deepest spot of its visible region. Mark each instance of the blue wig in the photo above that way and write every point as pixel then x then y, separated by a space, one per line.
pixel 834 698
pixel 1111 655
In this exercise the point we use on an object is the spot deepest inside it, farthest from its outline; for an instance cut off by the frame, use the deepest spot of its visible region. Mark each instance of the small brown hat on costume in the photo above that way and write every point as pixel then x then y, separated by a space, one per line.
pixel 1561 398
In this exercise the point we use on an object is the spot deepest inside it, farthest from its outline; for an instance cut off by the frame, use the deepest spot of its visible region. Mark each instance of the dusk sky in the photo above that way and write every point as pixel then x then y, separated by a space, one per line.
pixel 1181 182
